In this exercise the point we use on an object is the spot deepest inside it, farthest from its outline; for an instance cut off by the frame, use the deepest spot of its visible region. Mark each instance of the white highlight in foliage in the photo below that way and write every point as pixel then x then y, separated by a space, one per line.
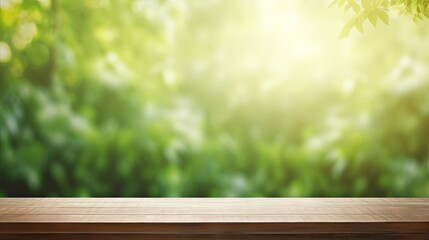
pixel 5 53
pixel 348 86
pixel 24 34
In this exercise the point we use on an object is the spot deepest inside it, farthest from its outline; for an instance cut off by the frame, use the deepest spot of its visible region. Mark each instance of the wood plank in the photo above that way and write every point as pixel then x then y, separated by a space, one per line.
pixel 217 228
pixel 228 217
pixel 224 210
pixel 211 237
pixel 212 218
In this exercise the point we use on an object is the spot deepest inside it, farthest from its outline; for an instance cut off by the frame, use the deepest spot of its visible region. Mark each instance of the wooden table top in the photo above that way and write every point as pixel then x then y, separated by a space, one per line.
pixel 177 215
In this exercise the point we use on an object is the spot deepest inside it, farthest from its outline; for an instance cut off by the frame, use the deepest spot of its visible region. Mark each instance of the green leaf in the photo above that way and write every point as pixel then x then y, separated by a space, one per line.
pixel 373 18
pixel 346 29
pixel 358 25
pixel 340 3
pixel 354 5
pixel 367 4
pixel 383 16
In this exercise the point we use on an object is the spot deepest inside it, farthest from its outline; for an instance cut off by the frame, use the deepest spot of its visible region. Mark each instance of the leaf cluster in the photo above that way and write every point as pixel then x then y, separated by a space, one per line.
pixel 375 10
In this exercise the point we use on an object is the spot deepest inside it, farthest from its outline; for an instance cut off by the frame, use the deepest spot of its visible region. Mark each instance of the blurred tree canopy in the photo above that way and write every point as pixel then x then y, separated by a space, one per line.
pixel 212 98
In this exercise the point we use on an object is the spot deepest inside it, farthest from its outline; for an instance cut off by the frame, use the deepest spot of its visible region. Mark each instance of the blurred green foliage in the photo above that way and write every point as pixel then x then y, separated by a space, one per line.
pixel 209 98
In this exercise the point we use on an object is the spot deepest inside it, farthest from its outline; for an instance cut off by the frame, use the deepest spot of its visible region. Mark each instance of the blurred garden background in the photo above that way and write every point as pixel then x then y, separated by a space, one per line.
pixel 210 98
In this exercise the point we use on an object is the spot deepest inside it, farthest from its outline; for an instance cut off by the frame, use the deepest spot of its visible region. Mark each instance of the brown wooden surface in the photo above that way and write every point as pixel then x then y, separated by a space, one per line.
pixel 210 237
pixel 214 218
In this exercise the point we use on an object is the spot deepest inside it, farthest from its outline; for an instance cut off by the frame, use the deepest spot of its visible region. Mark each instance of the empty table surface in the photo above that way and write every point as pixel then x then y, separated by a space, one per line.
pixel 214 216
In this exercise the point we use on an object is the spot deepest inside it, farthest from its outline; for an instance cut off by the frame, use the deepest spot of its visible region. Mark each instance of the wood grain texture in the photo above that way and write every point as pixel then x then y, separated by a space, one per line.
pixel 214 218
pixel 210 237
